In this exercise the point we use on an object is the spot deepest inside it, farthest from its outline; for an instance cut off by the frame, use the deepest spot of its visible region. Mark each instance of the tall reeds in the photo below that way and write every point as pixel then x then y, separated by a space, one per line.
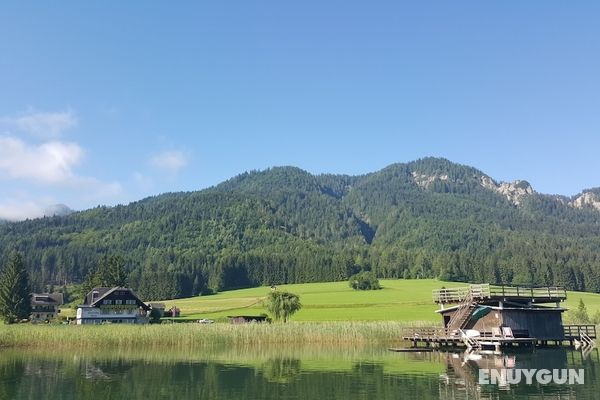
pixel 197 335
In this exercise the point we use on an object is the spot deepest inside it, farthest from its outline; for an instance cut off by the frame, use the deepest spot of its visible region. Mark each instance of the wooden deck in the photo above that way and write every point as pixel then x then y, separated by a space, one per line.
pixel 434 337
pixel 457 341
pixel 546 294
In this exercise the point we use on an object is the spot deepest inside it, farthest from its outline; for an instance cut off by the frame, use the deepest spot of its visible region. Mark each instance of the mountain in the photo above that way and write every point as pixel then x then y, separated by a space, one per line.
pixel 427 218
pixel 59 210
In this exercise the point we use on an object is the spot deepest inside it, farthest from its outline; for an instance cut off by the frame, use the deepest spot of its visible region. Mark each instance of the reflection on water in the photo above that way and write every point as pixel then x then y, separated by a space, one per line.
pixel 461 381
pixel 281 373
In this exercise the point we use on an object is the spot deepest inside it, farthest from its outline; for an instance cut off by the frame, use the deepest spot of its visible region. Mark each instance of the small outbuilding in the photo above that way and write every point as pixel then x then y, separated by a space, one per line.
pixel 246 319
pixel 499 315
pixel 529 312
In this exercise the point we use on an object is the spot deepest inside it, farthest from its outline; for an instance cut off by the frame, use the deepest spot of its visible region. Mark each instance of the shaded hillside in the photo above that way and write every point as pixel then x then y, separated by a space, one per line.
pixel 428 218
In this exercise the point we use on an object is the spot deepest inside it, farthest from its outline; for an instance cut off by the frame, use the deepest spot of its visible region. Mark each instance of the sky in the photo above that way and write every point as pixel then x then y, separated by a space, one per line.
pixel 104 103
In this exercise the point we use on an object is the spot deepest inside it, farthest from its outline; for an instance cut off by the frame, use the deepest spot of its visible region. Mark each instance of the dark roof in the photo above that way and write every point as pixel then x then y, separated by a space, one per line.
pixel 40 299
pixel 104 292
pixel 101 292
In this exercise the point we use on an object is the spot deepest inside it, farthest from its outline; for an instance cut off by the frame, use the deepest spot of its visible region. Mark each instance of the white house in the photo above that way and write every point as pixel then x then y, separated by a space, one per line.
pixel 117 305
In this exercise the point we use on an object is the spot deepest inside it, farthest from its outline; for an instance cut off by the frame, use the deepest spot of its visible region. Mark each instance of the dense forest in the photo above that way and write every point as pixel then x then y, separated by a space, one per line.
pixel 428 218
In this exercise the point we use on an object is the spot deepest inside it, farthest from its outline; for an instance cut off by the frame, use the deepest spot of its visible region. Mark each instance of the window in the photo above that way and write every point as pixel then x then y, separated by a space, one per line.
pixel 118 301
pixel 107 302
pixel 131 301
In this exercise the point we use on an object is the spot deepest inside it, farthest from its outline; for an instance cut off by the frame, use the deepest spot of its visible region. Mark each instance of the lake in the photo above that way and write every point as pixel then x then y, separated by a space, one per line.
pixel 282 373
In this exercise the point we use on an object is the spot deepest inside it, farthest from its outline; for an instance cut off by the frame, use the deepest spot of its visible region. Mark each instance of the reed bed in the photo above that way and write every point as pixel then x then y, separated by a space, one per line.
pixel 189 336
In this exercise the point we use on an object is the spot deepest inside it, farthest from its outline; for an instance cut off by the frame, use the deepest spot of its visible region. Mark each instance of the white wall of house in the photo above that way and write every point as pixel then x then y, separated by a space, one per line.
pixel 95 315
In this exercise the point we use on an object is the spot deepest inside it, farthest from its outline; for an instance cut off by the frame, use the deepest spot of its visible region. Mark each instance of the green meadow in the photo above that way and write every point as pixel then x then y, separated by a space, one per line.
pixel 399 300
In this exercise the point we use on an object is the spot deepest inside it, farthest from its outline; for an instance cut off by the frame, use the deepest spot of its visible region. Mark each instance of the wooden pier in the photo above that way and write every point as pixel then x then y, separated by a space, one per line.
pixel 440 337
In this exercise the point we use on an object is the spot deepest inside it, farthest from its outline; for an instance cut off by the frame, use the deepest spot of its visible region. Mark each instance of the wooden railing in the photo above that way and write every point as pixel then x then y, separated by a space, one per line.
pixel 575 331
pixel 461 294
pixel 548 292
pixel 426 332
pixel 486 291
pixel 461 316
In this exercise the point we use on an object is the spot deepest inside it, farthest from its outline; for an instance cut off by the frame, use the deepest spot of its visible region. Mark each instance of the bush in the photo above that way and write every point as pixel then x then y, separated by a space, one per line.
pixel 155 315
pixel 580 315
pixel 365 280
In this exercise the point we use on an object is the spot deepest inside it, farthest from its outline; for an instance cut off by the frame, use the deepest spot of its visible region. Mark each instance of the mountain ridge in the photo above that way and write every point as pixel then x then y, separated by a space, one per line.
pixel 426 218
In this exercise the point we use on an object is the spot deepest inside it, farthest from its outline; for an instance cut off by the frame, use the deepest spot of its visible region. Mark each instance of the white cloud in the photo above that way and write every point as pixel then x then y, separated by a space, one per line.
pixel 50 162
pixel 171 161
pixel 19 209
pixel 45 125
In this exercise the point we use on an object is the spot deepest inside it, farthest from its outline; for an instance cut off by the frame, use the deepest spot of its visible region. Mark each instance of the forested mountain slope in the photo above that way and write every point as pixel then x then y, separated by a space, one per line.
pixel 428 218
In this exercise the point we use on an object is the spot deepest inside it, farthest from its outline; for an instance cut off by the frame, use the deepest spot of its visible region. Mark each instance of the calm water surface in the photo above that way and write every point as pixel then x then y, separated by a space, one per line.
pixel 272 373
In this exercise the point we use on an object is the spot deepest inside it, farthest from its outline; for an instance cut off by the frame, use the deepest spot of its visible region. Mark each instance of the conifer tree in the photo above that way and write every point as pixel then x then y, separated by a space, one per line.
pixel 15 291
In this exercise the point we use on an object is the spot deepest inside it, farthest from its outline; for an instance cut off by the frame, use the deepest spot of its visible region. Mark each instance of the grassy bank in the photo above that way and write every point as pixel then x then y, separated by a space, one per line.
pixel 189 336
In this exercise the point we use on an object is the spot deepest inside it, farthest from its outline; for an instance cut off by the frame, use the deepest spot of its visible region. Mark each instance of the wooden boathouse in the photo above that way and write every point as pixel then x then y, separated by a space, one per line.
pixel 496 315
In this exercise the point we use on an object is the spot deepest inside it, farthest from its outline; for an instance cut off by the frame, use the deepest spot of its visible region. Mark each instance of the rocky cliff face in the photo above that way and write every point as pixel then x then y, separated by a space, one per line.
pixel 424 180
pixel 515 191
pixel 586 199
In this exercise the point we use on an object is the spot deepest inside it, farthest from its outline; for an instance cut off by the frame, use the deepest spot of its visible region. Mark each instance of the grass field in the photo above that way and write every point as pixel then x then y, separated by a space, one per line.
pixel 399 300
pixel 333 301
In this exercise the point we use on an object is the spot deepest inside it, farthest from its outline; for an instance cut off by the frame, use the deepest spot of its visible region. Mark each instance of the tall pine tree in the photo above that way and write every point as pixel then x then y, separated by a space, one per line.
pixel 15 291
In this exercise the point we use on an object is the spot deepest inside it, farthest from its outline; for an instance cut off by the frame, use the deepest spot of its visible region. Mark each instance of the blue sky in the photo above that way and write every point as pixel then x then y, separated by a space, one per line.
pixel 109 102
